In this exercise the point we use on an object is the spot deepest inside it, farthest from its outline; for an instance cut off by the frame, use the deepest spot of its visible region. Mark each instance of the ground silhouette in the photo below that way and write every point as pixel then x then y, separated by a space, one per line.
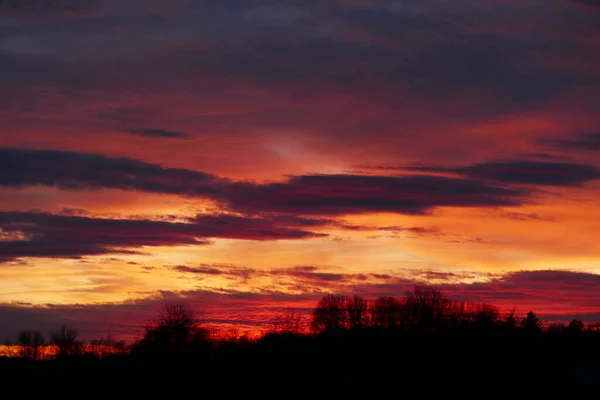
pixel 348 346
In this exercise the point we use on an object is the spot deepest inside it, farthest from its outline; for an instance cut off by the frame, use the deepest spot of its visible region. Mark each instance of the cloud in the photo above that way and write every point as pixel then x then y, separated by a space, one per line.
pixel 31 234
pixel 415 230
pixel 310 273
pixel 203 270
pixel 433 232
pixel 84 171
pixel 589 142
pixel 324 195
pixel 303 274
pixel 545 290
pixel 523 172
pixel 351 194
pixel 527 217
pixel 229 271
pixel 298 278
pixel 159 133
pixel 45 8
pixel 587 3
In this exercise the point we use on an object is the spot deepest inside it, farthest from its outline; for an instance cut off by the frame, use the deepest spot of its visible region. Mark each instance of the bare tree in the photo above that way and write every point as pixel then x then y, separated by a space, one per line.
pixel 65 339
pixel 357 312
pixel 385 312
pixel 426 308
pixel 174 330
pixel 330 314
pixel 31 344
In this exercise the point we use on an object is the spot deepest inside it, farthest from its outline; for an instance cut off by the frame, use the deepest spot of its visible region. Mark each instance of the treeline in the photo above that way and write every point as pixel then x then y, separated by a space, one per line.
pixel 420 334
pixel 422 311
pixel 33 345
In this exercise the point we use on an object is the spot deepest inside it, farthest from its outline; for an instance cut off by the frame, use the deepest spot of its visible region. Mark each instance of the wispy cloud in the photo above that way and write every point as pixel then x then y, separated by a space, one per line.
pixel 587 142
pixel 159 133
pixel 523 172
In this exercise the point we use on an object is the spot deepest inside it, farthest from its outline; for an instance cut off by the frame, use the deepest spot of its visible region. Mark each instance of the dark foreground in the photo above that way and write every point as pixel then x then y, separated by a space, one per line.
pixel 363 363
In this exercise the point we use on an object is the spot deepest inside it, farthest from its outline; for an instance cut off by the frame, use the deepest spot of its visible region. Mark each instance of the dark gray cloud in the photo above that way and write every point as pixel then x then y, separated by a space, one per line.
pixel 325 195
pixel 159 133
pixel 343 45
pixel 523 172
pixel 50 8
pixel 589 142
pixel 350 194
pixel 587 3
pixel 81 171
pixel 31 234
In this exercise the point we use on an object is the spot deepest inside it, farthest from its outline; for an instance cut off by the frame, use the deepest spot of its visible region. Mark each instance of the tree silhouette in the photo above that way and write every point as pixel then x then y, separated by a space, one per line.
pixel 531 323
pixel 31 343
pixel 357 312
pixel 509 321
pixel 425 308
pixel 485 315
pixel 330 314
pixel 593 327
pixel 174 330
pixel 576 326
pixel 385 312
pixel 65 339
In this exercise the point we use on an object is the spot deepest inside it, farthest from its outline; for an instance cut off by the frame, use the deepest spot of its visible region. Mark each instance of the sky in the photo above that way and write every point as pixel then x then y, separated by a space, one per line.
pixel 247 157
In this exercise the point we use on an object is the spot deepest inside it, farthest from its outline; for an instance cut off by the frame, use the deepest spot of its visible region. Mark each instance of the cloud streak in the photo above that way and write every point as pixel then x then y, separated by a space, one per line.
pixel 351 194
pixel 321 195
pixel 587 142
pixel 85 171
pixel 30 234
pixel 523 172
pixel 594 4
pixel 159 133
pixel 45 8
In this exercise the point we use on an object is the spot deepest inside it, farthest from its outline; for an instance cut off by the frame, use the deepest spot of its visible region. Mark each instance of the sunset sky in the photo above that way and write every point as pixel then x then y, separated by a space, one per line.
pixel 247 157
